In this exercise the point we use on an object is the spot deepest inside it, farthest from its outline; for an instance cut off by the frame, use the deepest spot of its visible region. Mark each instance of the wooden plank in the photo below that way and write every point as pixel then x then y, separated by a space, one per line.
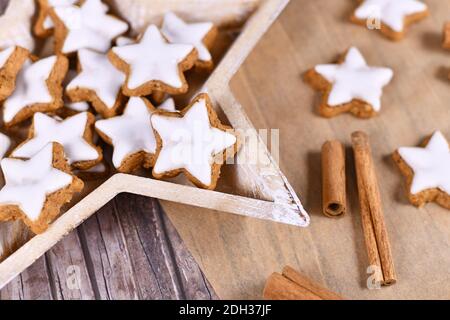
pixel 108 259
pixel 332 252
pixel 32 284
pixel 193 281
pixel 69 276
pixel 149 248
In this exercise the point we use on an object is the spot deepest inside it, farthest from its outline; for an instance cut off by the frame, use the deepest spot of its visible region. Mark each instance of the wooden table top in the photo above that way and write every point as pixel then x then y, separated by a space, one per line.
pixel 128 249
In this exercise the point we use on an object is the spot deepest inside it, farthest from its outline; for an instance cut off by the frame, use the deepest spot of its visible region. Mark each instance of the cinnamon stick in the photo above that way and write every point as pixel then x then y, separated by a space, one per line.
pixel 446 41
pixel 291 285
pixel 372 217
pixel 333 179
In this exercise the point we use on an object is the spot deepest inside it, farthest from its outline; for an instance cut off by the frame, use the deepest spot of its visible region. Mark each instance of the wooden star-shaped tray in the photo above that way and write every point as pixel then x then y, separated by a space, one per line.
pixel 255 189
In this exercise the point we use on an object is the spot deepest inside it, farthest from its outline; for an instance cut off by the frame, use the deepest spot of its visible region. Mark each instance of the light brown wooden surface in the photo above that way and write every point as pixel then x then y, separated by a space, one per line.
pixel 238 254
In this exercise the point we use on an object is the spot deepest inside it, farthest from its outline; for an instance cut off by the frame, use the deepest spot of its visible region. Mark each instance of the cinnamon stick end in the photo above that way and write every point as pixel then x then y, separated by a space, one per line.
pixel 334 195
pixel 335 209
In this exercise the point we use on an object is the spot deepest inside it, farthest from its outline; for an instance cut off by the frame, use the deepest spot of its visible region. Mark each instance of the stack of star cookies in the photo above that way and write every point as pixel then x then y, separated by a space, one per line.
pixel 101 84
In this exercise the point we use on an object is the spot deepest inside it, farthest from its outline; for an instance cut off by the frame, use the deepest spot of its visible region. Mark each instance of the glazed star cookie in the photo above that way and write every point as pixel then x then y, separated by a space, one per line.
pixel 391 17
pixel 200 35
pixel 85 27
pixel 153 64
pixel 38 89
pixel 131 136
pixel 427 171
pixel 349 86
pixel 98 82
pixel 44 25
pixel 75 134
pixel 36 189
pixel 11 61
pixel 193 142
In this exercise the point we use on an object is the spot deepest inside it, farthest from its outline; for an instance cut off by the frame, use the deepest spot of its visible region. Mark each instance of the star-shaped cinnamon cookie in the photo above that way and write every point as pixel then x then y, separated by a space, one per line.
pixel 88 26
pixel 427 171
pixel 38 89
pixel 201 35
pixel 36 189
pixel 349 86
pixel 194 142
pixel 131 136
pixel 99 82
pixel 75 134
pixel 390 16
pixel 153 64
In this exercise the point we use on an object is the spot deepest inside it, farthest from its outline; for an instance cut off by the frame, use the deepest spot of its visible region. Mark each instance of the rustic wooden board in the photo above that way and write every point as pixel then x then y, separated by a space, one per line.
pixel 237 254
pixel 128 250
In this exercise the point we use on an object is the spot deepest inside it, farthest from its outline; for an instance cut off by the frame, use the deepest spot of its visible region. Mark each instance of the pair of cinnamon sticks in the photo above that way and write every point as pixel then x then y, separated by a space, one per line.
pixel 372 217
pixel 291 285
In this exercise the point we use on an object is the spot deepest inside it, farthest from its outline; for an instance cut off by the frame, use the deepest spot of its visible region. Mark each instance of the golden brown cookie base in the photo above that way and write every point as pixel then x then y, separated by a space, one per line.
pixel 387 31
pixel 422 198
pixel 357 107
pixel 54 85
pixel 43 9
pixel 154 85
pixel 53 202
pixel 215 122
pixel 9 72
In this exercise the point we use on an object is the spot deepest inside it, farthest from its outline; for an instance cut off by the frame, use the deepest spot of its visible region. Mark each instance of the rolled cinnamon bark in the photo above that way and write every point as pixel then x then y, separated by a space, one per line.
pixel 372 217
pixel 333 179
pixel 292 285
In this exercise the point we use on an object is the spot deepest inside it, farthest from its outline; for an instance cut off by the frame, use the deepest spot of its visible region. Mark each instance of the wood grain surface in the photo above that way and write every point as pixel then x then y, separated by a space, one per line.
pixel 128 250
pixel 238 254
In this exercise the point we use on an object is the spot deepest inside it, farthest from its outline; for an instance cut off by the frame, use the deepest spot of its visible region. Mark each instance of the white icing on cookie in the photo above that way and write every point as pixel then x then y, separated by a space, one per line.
pixel 178 31
pixel 124 41
pixel 168 105
pixel 31 87
pixel 391 12
pixel 99 75
pixel 69 133
pixel 130 133
pixel 48 22
pixel 354 79
pixel 431 165
pixel 89 26
pixel 78 106
pixel 28 183
pixel 190 143
pixel 5 54
pixel 5 143
pixel 153 59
